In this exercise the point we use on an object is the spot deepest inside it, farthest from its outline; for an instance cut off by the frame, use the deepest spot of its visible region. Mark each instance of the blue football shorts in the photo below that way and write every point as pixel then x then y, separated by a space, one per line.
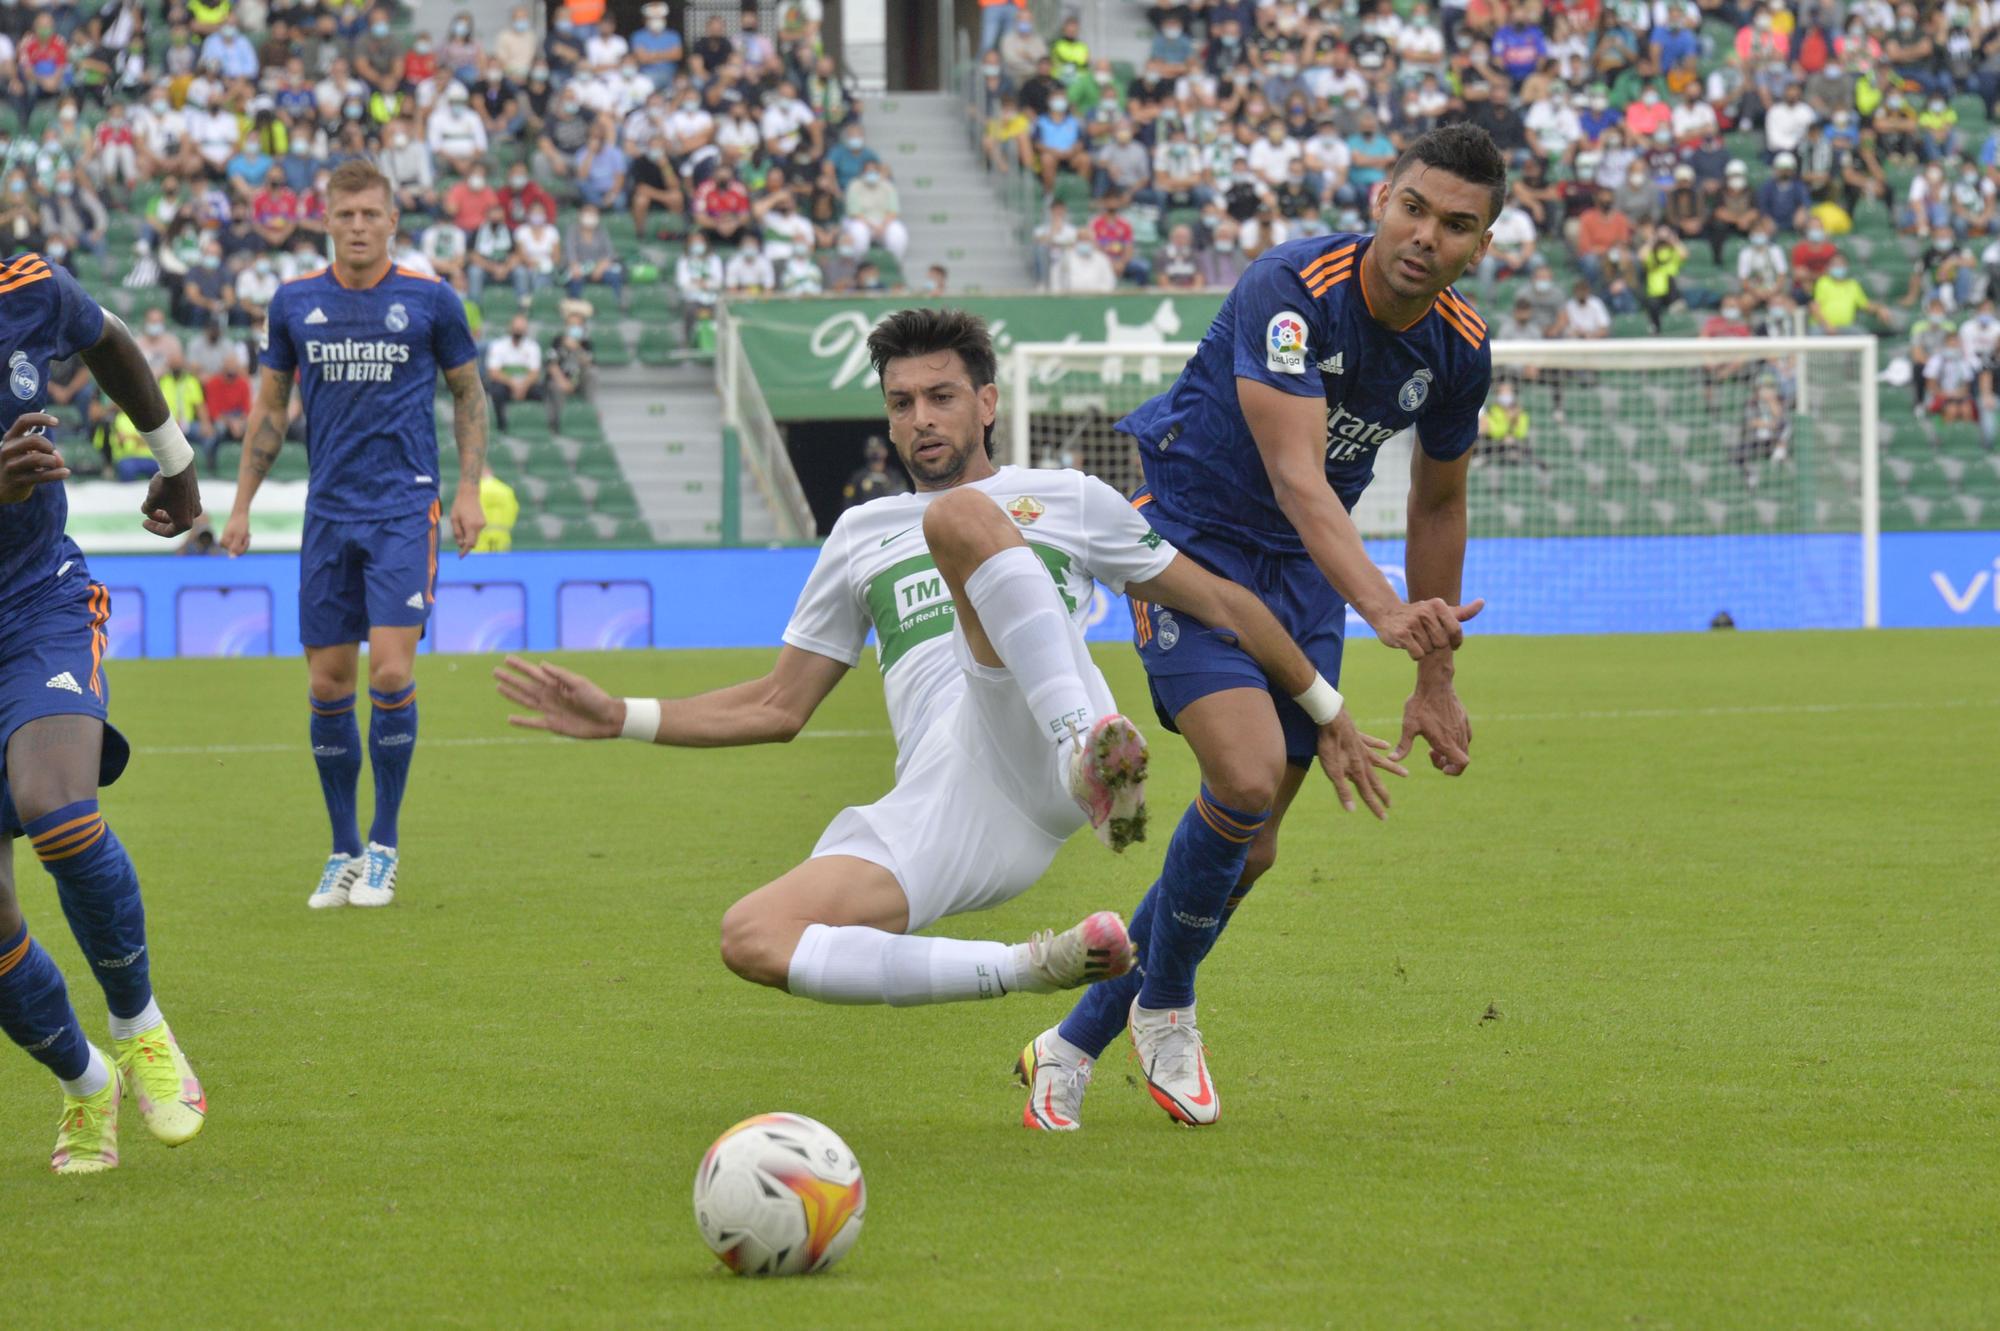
pixel 354 576
pixel 1186 659
pixel 52 664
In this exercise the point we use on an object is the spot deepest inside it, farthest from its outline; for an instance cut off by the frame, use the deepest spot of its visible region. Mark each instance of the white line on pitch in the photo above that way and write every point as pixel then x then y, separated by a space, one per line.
pixel 1630 714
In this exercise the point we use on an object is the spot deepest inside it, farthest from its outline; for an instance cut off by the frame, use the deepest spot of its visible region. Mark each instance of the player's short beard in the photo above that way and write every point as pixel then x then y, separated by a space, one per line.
pixel 944 472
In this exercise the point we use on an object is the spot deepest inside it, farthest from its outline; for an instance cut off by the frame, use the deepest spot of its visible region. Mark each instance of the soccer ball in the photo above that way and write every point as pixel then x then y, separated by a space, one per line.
pixel 779 1195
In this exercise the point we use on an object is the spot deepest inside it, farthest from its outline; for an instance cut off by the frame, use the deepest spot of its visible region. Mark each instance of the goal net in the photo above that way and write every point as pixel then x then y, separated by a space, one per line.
pixel 1650 484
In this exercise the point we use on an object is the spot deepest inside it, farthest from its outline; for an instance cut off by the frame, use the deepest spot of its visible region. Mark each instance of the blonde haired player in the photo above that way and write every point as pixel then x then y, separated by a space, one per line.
pixel 366 340
pixel 1007 737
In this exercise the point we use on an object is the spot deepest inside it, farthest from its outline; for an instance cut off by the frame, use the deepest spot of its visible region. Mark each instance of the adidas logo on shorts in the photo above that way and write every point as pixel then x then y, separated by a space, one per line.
pixel 416 601
pixel 65 681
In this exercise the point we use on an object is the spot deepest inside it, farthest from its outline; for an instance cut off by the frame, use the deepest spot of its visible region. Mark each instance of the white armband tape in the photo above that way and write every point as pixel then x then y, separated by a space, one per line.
pixel 1322 701
pixel 642 719
pixel 170 447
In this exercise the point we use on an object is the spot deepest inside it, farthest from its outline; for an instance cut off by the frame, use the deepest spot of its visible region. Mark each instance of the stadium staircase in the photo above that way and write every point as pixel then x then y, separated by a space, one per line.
pixel 666 427
pixel 952 212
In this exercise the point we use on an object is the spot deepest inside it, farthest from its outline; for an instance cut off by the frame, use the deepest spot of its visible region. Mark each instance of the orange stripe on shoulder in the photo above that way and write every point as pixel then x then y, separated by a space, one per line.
pixel 302 277
pixel 411 272
pixel 22 264
pixel 1142 501
pixel 1464 307
pixel 16 283
pixel 1312 269
pixel 1459 326
pixel 1332 282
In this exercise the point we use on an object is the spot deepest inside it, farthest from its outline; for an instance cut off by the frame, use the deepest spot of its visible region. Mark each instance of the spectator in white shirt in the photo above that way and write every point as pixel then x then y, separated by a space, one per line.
pixel 513 369
pixel 1513 246
pixel 1786 122
pixel 444 246
pixel 787 121
pixel 456 134
pixel 606 49
pixel 1694 119
pixel 256 283
pixel 1980 334
pixel 739 130
pixel 1272 155
pixel 540 247
pixel 872 204
pixel 412 177
pixel 1584 315
pixel 1084 267
pixel 698 279
pixel 748 271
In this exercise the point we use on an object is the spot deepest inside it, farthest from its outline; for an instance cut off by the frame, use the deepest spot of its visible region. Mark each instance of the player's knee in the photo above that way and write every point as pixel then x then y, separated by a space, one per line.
pixel 1245 789
pixel 388 677
pixel 750 946
pixel 963 524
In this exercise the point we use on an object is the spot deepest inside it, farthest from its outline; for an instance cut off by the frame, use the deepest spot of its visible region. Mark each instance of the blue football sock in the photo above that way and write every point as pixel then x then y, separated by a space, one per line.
pixel 392 742
pixel 1204 864
pixel 1105 1007
pixel 99 892
pixel 35 1010
pixel 336 741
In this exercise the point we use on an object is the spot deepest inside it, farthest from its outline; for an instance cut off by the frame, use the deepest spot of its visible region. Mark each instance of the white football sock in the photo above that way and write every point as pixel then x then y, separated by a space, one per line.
pixel 1022 612
pixel 124 1028
pixel 852 963
pixel 94 1079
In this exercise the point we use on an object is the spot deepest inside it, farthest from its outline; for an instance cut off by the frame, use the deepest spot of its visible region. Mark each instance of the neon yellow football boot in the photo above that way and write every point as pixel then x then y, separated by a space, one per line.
pixel 87 1138
pixel 170 1097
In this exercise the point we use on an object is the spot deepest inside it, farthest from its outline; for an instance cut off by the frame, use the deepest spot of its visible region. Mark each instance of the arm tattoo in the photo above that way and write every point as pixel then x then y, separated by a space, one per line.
pixel 261 447
pixel 468 420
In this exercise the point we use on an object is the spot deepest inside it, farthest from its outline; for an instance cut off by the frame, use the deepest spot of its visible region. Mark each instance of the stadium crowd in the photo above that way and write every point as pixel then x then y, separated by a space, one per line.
pixel 534 169
pixel 1698 165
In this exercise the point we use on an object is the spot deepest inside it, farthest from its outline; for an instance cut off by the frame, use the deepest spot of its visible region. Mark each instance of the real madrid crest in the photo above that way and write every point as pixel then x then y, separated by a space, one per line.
pixel 398 318
pixel 21 376
pixel 1026 509
pixel 1415 389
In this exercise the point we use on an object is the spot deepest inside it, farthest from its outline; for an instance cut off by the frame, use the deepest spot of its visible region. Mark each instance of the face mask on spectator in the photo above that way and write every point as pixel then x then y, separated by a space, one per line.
pixel 589 220
pixel 400 140
pixel 423 46
pixel 211 260
pixel 518 179
pixel 477 180
pixel 1170 31
pixel 520 25
pixel 1837 272
pixel 1815 234
pixel 1224 244
pixel 871 175
pixel 538 217
pixel 697 247
pixel 263 265
pixel 379 29
pixel 461 29
pixel 154 327
pixel 1058 104
pixel 656 25
pixel 1729 312
pixel 1505 397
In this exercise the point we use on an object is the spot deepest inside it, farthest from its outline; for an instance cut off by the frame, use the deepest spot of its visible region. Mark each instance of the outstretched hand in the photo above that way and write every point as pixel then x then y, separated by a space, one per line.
pixel 1354 761
pixel 566 703
pixel 1435 713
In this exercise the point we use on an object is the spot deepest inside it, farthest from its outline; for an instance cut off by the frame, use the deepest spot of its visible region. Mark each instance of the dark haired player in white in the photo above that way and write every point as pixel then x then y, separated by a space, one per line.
pixel 1325 349
pixel 1008 740
pixel 366 340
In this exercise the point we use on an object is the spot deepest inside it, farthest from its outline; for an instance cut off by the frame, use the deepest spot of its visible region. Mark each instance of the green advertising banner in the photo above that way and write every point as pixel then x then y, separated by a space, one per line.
pixel 810 355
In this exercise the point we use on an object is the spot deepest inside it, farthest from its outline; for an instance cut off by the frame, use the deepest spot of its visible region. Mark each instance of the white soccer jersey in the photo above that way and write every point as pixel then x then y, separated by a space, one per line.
pixel 874 572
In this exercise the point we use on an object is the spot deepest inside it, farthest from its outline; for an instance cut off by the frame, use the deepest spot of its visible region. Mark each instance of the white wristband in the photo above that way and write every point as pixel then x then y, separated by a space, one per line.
pixel 170 447
pixel 642 719
pixel 1322 701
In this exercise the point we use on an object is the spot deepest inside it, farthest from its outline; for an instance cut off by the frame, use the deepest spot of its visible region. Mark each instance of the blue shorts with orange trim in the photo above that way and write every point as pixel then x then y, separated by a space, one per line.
pixel 52 664
pixel 354 576
pixel 1186 659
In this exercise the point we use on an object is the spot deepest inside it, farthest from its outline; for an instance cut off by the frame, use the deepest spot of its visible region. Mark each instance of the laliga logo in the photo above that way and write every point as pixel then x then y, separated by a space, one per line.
pixel 1961 602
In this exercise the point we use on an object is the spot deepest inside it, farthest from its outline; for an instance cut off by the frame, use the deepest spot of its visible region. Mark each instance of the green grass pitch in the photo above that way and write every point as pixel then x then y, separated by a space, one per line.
pixel 1678 1010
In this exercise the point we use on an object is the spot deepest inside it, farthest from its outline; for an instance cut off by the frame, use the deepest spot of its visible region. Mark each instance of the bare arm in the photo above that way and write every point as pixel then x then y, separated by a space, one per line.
pixel 172 503
pixel 468 427
pixel 772 709
pixel 1188 587
pixel 263 439
pixel 1434 562
pixel 1291 437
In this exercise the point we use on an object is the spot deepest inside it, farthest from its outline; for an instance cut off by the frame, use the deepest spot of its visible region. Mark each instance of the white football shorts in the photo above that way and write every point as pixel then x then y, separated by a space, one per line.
pixel 981 808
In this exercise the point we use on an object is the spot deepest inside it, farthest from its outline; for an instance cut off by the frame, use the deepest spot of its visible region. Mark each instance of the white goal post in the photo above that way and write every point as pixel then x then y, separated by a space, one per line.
pixel 1652 484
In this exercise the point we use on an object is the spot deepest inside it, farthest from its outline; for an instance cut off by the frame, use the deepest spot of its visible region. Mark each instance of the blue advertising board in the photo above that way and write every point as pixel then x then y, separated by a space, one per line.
pixel 583 599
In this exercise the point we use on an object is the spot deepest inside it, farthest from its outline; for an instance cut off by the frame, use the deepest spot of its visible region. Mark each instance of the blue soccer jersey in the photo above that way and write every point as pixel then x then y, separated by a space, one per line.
pixel 1299 321
pixel 44 316
pixel 368 360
